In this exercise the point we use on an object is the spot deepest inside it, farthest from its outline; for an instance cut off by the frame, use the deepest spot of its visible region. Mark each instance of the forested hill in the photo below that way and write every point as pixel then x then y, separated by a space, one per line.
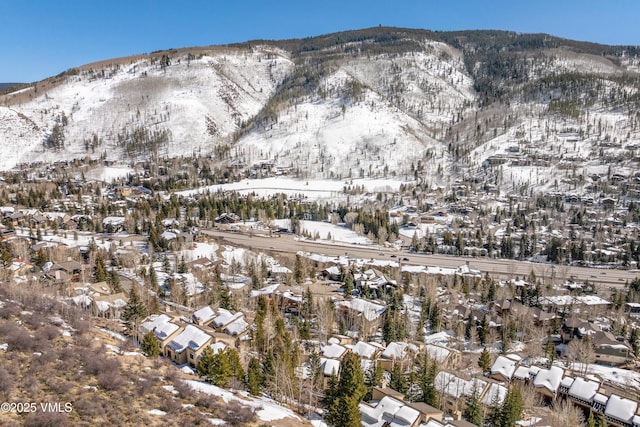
pixel 511 109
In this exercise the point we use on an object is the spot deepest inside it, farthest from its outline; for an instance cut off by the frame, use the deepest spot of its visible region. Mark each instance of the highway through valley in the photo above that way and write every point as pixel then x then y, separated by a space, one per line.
pixel 499 268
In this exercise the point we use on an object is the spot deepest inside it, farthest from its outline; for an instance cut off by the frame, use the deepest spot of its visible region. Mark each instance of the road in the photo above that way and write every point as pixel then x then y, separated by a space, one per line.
pixel 502 268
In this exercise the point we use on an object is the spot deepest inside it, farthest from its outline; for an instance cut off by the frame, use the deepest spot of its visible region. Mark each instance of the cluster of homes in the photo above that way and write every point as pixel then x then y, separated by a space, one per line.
pixel 389 407
pixel 586 391
pixel 182 340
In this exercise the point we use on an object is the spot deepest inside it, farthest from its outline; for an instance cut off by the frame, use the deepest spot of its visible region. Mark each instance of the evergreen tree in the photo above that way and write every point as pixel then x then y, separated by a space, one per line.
pixel 434 318
pixel 224 296
pixel 182 266
pixel 347 284
pixel 511 410
pixel 150 345
pixel 601 421
pixel 483 330
pixel 153 279
pixel 254 377
pixel 237 371
pixel 494 416
pixel 634 340
pixel 134 311
pixel 5 256
pixel 473 408
pixel 550 349
pixel 398 382
pixel 99 269
pixel 218 368
pixel 205 364
pixel 426 381
pixel 307 304
pixel 298 270
pixel 344 395
pixel 114 281
pixel 41 258
pixel 344 412
pixel 591 421
pixel 372 378
pixel 484 362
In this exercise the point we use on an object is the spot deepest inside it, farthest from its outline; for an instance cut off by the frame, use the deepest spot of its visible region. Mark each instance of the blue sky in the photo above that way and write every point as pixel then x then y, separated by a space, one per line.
pixel 41 38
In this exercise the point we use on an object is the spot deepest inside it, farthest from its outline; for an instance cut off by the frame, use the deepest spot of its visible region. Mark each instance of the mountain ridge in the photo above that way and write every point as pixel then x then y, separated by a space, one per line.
pixel 382 101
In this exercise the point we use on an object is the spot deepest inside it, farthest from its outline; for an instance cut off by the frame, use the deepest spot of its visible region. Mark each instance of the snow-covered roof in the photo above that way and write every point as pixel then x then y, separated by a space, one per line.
pixel 167 222
pixel 160 325
pixel 330 366
pixel 279 269
pixel 333 270
pixel 620 408
pixel 549 378
pixel 103 306
pixel 225 317
pixel 191 337
pixel 267 290
pixel 237 327
pixel 437 353
pixel 521 373
pixel 82 300
pixel 458 387
pixel 113 220
pixel 495 394
pixel 584 389
pixel 566 300
pixel 204 314
pixel 567 382
pixel 600 398
pixel 504 366
pixel 168 235
pixel 368 309
pixel 388 410
pixel 333 351
pixel 216 347
pixel 394 350
pixel 364 349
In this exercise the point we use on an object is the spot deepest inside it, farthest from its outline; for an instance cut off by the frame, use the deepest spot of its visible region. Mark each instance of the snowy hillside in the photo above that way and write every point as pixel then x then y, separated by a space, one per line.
pixel 512 112
pixel 194 103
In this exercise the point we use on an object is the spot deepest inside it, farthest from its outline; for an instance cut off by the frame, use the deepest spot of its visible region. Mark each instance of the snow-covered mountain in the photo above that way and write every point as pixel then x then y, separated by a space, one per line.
pixel 519 112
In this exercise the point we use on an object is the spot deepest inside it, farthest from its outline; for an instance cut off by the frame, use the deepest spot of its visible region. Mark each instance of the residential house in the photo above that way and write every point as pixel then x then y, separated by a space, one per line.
pixel 547 381
pixel 503 368
pixel 366 350
pixel 113 224
pixel 187 345
pixel 99 288
pixel 396 352
pixel 389 412
pixel 621 411
pixel 163 327
pixel 203 315
pixel 609 350
pixel 332 273
pixel 360 315
pixel 447 358
pixel 109 306
pixel 582 391
pixel 72 268
pixel 454 390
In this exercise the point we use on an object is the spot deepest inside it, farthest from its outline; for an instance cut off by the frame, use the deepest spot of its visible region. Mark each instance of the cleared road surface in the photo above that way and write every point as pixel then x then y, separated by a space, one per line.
pixel 495 267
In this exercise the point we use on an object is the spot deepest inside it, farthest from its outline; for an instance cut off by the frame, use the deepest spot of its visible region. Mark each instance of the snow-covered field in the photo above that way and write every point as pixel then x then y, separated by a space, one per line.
pixel 311 190
pixel 328 233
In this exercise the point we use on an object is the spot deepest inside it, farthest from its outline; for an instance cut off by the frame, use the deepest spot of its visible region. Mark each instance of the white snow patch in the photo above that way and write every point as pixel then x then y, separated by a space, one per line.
pixel 266 409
